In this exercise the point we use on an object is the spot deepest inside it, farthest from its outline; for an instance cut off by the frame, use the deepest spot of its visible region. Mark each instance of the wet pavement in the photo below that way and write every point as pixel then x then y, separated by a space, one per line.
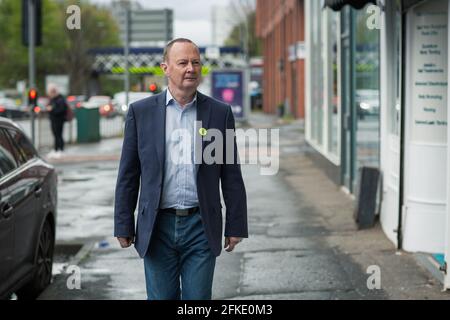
pixel 303 243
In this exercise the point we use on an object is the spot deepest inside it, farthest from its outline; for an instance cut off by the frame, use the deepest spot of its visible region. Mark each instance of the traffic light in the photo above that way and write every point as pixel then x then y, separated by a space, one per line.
pixel 153 88
pixel 37 22
pixel 32 97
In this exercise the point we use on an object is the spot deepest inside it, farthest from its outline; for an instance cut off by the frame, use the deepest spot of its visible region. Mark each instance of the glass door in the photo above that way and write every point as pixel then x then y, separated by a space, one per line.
pixel 360 95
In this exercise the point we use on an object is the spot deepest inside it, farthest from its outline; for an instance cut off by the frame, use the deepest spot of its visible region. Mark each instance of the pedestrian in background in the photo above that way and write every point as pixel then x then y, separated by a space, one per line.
pixel 57 112
pixel 179 223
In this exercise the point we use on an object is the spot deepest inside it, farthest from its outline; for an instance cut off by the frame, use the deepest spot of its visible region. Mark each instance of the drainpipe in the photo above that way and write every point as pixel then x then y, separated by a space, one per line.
pixel 283 57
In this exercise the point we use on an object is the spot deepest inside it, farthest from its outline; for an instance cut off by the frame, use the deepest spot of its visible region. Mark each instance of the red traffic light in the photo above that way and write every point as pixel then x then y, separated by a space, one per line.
pixel 153 87
pixel 32 97
pixel 33 94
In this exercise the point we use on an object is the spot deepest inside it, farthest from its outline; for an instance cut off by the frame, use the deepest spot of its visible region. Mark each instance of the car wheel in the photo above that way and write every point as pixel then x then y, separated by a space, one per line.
pixel 44 263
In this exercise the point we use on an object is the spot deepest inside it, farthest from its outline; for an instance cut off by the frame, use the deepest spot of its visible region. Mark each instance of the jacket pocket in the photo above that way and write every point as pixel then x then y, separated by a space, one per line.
pixel 142 208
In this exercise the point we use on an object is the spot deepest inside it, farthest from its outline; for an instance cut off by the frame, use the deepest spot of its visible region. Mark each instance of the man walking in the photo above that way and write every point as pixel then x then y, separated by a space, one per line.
pixel 179 222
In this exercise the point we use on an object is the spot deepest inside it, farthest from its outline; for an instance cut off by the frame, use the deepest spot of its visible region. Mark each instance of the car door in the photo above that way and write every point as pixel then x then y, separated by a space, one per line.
pixel 26 191
pixel 8 166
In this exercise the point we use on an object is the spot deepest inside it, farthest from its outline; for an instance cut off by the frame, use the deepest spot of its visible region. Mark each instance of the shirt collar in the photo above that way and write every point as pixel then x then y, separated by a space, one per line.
pixel 169 98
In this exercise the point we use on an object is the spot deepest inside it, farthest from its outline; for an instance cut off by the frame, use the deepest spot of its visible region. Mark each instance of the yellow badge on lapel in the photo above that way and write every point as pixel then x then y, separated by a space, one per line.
pixel 203 132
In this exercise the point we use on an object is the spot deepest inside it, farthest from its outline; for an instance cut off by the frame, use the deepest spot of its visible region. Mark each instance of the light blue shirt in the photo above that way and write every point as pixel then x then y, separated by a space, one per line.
pixel 180 171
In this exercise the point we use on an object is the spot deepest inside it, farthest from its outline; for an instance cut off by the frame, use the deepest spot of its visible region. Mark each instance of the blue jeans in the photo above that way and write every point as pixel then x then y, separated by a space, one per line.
pixel 179 250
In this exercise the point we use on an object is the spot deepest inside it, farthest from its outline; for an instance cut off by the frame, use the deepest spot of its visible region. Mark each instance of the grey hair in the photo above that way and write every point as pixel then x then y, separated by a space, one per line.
pixel 52 87
pixel 172 42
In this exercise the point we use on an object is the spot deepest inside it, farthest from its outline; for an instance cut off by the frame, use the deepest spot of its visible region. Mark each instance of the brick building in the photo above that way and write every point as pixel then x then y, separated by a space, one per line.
pixel 280 25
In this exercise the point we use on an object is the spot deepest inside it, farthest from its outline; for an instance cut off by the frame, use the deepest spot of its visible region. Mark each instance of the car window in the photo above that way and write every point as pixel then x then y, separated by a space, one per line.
pixel 7 161
pixel 23 146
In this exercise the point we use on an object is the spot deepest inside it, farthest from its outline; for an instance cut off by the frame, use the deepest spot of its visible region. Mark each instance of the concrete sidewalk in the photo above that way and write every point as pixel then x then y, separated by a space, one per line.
pixel 401 276
pixel 105 150
pixel 303 241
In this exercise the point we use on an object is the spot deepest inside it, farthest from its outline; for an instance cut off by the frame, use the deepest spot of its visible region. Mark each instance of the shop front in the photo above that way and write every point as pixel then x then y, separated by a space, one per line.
pixel 378 97
pixel 342 89
pixel 414 130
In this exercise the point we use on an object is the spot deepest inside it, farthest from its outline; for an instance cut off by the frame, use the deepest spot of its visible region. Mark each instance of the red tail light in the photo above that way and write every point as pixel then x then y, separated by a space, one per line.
pixel 2 109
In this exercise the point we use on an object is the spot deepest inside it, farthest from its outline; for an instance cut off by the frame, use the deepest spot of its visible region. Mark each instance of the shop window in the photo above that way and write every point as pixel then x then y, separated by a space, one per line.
pixel 395 103
pixel 367 91
pixel 334 102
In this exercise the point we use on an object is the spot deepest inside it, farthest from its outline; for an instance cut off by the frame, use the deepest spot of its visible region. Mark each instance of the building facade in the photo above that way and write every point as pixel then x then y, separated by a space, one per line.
pixel 415 212
pixel 370 78
pixel 280 25
pixel 146 28
pixel 376 96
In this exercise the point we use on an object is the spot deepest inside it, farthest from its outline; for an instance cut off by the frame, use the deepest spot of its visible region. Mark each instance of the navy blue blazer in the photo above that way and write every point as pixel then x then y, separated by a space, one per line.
pixel 141 173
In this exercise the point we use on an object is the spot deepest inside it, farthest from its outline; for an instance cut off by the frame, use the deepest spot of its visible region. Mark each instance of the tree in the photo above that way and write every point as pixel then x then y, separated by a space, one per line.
pixel 14 55
pixel 236 36
pixel 98 29
pixel 243 13
pixel 63 51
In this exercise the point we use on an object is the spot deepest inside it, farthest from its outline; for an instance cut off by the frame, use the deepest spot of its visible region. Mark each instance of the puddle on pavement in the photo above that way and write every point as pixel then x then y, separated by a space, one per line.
pixel 62 256
pixel 77 179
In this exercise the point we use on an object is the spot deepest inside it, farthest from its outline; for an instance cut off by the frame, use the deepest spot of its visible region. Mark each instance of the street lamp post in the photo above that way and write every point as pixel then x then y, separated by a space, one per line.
pixel 31 59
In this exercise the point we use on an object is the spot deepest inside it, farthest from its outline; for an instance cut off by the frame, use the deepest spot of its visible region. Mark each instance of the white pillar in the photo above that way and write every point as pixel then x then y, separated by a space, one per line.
pixel 447 229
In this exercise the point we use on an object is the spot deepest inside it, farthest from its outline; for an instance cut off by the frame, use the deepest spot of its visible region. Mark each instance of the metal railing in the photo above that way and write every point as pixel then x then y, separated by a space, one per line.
pixel 109 128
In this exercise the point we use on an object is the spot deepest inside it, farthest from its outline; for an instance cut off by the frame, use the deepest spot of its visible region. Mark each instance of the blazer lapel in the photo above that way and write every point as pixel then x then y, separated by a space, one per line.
pixel 203 110
pixel 159 121
pixel 203 115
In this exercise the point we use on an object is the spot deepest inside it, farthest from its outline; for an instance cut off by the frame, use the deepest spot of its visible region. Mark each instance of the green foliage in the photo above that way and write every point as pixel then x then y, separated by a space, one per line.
pixel 63 51
pixel 110 86
pixel 98 29
pixel 236 36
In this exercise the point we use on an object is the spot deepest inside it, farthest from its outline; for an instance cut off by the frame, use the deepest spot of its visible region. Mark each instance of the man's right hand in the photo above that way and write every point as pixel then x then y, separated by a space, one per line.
pixel 125 242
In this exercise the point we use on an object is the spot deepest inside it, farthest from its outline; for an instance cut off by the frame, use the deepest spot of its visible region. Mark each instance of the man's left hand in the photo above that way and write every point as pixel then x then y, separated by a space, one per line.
pixel 231 242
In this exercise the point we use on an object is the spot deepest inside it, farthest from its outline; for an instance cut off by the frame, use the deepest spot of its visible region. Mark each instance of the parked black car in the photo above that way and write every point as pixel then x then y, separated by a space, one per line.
pixel 28 196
